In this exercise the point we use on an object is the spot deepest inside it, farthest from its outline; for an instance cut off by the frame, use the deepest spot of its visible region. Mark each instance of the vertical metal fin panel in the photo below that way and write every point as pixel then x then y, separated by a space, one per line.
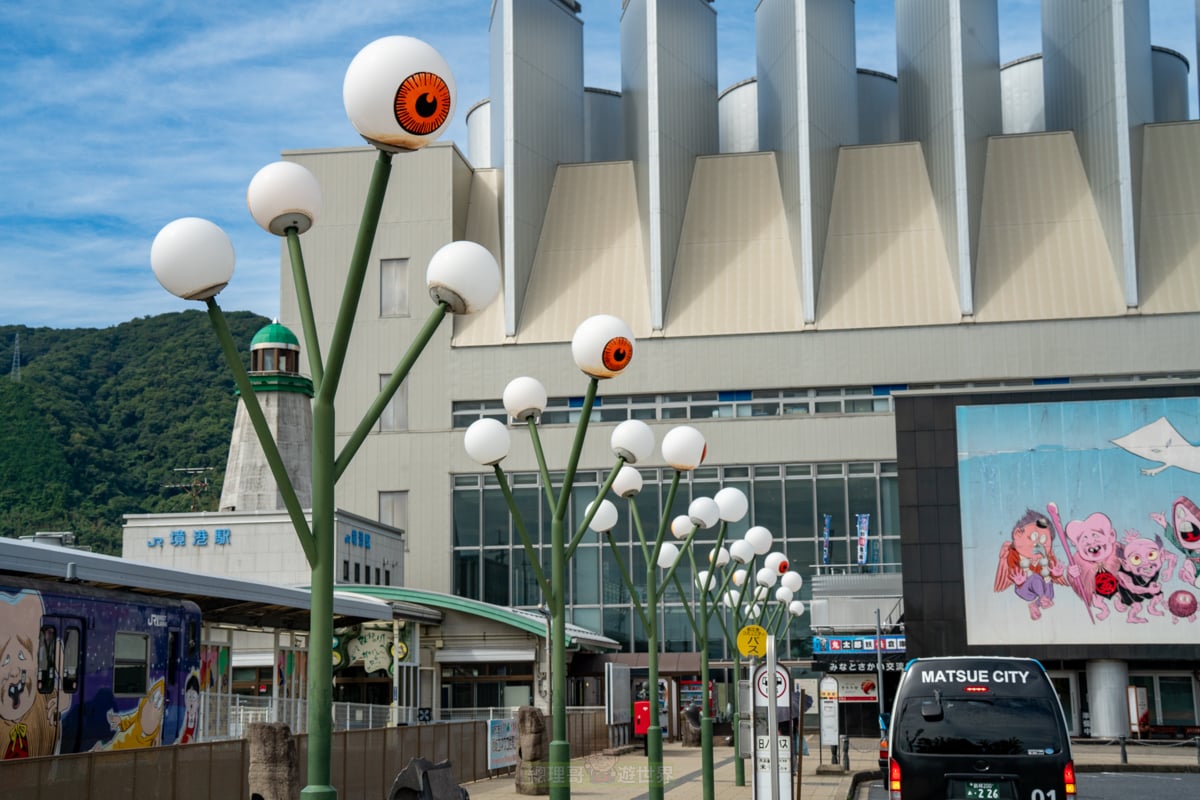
pixel 590 258
pixel 885 260
pixel 1042 252
pixel 734 271
pixel 1169 247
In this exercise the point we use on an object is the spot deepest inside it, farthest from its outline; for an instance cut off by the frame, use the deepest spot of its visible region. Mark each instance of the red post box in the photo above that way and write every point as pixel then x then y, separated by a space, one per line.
pixel 641 717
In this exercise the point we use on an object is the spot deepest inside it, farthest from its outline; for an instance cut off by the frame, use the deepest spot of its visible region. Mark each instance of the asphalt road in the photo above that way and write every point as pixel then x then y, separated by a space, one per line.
pixel 1103 786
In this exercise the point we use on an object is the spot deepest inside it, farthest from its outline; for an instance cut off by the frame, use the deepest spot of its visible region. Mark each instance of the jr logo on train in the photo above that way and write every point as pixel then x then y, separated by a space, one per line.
pixel 83 669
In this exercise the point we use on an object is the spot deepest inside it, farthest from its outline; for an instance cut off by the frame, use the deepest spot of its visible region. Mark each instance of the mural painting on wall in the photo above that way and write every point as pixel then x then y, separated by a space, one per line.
pixel 369 645
pixel 29 718
pixel 1080 522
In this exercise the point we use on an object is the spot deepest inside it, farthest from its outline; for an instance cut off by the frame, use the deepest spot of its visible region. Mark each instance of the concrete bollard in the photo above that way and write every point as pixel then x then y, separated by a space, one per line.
pixel 274 766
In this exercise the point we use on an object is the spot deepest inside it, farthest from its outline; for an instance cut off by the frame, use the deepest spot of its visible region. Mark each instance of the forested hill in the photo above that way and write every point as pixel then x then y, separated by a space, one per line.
pixel 101 420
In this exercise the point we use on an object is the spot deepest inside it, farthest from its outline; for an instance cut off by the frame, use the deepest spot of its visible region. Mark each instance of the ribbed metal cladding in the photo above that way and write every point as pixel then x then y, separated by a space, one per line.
pixel 734 272
pixel 590 259
pixel 1169 246
pixel 1042 252
pixel 1098 83
pixel 541 117
pixel 885 261
pixel 669 82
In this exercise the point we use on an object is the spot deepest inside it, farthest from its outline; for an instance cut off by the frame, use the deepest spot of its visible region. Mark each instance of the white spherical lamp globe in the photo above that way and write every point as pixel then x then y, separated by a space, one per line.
pixel 632 440
pixel 761 593
pixel 732 598
pixel 681 527
pixel 783 595
pixel 703 580
pixel 766 577
pixel 792 580
pixel 741 551
pixel 739 577
pixel 487 441
pixel 667 555
pixel 683 448
pixel 399 93
pixel 776 562
pixel 602 346
pixel 703 511
pixel 718 557
pixel 284 195
pixel 525 398
pixel 732 502
pixel 628 482
pixel 760 539
pixel 605 518
pixel 463 275
pixel 192 258
pixel 796 608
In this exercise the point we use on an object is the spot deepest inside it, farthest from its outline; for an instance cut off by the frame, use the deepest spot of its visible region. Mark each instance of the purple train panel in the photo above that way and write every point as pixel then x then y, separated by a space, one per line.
pixel 83 668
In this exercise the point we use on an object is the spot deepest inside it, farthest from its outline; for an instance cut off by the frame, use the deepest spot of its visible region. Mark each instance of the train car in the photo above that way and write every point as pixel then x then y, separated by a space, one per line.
pixel 84 668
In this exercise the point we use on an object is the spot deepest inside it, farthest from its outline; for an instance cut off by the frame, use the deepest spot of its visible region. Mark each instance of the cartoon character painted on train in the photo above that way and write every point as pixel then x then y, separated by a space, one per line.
pixel 1145 567
pixel 1028 564
pixel 1095 562
pixel 191 709
pixel 1183 531
pixel 141 727
pixel 31 702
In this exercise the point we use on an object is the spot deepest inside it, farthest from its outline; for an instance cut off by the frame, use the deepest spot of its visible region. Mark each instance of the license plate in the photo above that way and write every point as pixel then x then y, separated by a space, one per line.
pixel 982 791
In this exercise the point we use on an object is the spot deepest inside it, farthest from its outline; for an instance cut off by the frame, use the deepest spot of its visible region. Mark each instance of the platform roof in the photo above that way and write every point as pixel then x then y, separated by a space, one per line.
pixel 221 599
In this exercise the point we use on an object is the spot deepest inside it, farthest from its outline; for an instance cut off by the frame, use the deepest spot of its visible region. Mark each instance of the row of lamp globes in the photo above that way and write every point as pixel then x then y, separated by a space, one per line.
pixel 193 258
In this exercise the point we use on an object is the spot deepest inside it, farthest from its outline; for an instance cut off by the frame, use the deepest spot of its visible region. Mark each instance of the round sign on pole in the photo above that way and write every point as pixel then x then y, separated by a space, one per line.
pixel 762 689
pixel 752 641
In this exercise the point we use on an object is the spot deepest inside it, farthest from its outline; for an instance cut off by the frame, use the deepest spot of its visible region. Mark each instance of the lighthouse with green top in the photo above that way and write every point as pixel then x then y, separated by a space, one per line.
pixel 286 399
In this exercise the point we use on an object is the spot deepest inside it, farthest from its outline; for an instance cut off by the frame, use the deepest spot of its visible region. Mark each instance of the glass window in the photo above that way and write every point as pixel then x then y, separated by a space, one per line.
pixel 495 519
pixel 798 509
pixel 47 656
pixel 466 519
pixel 768 505
pixel 395 413
pixel 526 591
pixel 677 633
pixel 585 566
pixel 393 287
pixel 130 663
pixel 862 496
pixel 1178 704
pixel 980 726
pixel 466 574
pixel 346 571
pixel 70 660
pixel 618 622
pixel 495 577
pixel 831 503
pixel 357 572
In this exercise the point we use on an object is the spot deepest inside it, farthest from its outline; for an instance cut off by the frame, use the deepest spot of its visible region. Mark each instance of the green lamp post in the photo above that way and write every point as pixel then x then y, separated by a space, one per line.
pixel 683 448
pixel 602 347
pixel 399 95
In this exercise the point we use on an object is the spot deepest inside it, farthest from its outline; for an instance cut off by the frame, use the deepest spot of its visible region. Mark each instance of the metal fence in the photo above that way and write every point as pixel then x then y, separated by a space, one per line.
pixel 364 763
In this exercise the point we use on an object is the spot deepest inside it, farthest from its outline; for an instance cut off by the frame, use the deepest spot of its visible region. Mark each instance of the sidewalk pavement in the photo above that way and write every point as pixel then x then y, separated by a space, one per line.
pixel 624 777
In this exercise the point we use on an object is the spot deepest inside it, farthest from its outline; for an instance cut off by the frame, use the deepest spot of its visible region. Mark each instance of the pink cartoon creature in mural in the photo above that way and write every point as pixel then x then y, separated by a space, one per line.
pixel 1028 564
pixel 1183 531
pixel 1144 569
pixel 1095 562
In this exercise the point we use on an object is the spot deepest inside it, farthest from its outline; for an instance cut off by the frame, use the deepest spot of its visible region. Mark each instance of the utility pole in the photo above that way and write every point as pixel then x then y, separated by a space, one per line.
pixel 195 487
pixel 15 374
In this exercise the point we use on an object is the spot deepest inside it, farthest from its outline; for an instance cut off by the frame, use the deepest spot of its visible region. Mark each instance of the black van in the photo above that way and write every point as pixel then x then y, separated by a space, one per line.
pixel 978 728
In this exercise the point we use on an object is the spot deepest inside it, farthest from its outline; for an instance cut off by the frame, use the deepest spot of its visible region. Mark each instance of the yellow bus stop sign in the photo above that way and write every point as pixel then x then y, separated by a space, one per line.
pixel 752 641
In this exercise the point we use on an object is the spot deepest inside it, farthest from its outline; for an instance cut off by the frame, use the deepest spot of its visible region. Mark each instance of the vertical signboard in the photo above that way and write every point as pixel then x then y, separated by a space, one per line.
pixel 828 689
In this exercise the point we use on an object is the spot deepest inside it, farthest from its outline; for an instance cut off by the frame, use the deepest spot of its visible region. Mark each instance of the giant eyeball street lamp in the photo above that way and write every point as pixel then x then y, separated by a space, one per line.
pixel 399 94
pixel 602 347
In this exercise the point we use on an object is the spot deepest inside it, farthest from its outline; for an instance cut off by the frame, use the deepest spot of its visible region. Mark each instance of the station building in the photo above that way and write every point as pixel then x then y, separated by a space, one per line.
pixel 797 257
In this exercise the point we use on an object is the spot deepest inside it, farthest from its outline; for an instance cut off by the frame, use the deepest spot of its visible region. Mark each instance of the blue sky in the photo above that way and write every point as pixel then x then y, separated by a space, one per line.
pixel 121 116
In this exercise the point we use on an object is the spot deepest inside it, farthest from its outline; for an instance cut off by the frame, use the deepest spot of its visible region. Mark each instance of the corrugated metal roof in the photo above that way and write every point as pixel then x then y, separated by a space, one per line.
pixel 1169 242
pixel 885 257
pixel 1042 253
pixel 735 272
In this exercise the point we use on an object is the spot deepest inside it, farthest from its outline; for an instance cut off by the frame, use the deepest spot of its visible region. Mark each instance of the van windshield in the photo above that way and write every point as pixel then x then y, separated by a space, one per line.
pixel 973 726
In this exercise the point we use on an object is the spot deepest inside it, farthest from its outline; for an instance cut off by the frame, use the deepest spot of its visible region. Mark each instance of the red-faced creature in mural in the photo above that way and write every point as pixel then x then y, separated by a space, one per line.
pixel 1027 563
pixel 1183 531
pixel 1095 562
